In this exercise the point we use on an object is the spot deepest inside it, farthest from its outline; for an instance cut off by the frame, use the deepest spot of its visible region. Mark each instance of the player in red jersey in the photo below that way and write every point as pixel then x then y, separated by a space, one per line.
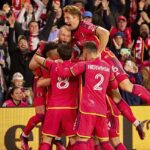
pixel 96 75
pixel 39 104
pixel 73 20
pixel 61 101
pixel 83 31
pixel 39 98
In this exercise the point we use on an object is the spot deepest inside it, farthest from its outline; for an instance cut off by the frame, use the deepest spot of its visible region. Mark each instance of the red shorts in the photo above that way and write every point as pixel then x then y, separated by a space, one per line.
pixel 113 126
pixel 88 125
pixel 39 96
pixel 59 119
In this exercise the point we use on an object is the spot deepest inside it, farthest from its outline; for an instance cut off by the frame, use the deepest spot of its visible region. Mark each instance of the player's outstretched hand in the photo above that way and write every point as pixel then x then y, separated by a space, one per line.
pixel 140 130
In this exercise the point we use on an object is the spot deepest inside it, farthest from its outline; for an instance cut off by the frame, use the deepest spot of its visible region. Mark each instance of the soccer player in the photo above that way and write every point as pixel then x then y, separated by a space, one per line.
pixel 96 75
pixel 61 100
pixel 41 82
pixel 84 31
pixel 64 36
pixel 39 104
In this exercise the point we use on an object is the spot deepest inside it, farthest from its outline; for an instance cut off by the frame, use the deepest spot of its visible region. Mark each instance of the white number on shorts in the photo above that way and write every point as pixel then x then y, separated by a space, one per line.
pixel 62 83
pixel 98 85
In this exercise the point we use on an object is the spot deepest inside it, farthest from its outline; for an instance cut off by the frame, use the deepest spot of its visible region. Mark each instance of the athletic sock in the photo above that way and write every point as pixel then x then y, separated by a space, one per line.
pixel 45 146
pixel 80 145
pixel 121 146
pixel 141 92
pixel 33 121
pixel 106 146
pixel 97 147
pixel 126 111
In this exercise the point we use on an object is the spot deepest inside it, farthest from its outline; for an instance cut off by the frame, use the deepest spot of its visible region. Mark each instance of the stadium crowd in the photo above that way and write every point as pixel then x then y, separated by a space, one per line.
pixel 30 28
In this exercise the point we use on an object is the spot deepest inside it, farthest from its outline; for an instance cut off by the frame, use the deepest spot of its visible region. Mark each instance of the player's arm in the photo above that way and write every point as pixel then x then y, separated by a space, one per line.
pixel 38 60
pixel 75 70
pixel 103 36
pixel 43 82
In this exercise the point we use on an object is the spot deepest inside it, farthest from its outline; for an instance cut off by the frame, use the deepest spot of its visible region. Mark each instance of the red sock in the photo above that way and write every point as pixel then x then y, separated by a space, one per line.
pixel 33 121
pixel 59 146
pixel 69 147
pixel 106 146
pixel 141 92
pixel 126 111
pixel 121 146
pixel 81 145
pixel 45 146
pixel 91 144
pixel 97 147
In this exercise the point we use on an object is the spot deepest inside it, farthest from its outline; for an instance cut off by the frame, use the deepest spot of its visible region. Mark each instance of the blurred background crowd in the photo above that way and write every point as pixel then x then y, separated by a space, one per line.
pixel 24 23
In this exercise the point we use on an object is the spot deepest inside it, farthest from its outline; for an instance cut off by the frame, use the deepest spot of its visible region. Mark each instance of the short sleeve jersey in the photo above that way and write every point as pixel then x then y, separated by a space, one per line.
pixel 96 75
pixel 63 92
pixel 112 60
pixel 84 32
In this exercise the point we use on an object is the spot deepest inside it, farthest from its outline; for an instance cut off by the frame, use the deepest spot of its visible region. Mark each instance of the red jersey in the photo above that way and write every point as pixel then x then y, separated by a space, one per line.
pixel 39 92
pixel 63 92
pixel 84 32
pixel 112 108
pixel 96 75
pixel 10 103
pixel 113 61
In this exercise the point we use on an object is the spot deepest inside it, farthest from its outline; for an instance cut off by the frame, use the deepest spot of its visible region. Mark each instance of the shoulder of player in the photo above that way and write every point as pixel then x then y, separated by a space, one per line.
pixel 108 53
pixel 106 64
pixel 87 25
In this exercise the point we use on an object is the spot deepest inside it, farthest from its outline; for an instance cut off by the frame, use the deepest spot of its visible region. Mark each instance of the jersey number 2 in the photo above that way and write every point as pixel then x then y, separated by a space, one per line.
pixel 98 85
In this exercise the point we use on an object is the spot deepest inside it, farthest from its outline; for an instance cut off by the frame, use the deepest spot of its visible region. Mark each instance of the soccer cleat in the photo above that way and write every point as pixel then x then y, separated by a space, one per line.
pixel 140 131
pixel 24 143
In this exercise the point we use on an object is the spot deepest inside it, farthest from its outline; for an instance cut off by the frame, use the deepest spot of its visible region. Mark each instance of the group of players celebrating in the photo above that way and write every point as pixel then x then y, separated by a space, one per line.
pixel 76 89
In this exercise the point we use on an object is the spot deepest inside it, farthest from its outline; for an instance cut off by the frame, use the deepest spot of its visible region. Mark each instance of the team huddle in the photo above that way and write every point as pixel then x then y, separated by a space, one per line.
pixel 76 81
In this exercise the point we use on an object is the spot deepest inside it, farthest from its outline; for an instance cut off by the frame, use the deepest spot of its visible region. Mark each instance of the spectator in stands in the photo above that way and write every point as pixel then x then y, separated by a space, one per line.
pixel 117 43
pixel 53 33
pixel 135 77
pixel 80 4
pixel 125 54
pixel 102 15
pixel 87 16
pixel 41 7
pixel 117 7
pixel 122 26
pixel 3 26
pixel 146 72
pixel 27 14
pixel 18 81
pixel 20 57
pixel 142 44
pixel 34 35
pixel 3 67
pixel 143 10
pixel 15 98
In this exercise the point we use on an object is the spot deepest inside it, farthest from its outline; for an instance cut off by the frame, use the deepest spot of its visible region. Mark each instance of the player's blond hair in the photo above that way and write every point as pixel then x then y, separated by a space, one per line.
pixel 73 10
